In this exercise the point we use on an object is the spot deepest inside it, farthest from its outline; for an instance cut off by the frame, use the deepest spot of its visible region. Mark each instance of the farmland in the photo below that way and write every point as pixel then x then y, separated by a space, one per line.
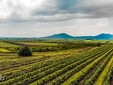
pixel 57 62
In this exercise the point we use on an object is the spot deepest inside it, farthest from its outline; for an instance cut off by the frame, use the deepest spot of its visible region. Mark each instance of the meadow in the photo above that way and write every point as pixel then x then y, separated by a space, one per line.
pixel 57 62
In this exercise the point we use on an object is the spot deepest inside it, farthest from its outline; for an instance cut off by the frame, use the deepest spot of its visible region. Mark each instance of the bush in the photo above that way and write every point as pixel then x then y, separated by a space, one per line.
pixel 98 44
pixel 25 52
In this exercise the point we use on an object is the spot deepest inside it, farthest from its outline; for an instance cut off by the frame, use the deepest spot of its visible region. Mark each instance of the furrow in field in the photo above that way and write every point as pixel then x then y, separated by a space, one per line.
pixel 59 76
pixel 79 75
pixel 22 71
pixel 96 74
pixel 103 75
pixel 83 80
pixel 34 75
pixel 59 72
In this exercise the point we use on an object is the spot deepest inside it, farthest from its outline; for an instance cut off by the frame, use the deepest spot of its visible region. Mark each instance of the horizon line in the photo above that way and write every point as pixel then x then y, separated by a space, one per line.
pixel 49 35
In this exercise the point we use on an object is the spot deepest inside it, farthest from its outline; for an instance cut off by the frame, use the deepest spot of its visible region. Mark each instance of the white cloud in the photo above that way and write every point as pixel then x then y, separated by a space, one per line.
pixel 54 10
pixel 36 17
pixel 5 11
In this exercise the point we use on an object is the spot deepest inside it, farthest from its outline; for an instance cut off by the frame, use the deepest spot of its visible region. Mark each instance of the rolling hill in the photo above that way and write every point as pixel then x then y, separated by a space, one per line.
pixel 60 36
pixel 102 36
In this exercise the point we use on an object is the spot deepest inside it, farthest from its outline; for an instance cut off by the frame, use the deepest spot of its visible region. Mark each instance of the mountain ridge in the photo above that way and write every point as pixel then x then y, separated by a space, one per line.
pixel 103 36
pixel 60 35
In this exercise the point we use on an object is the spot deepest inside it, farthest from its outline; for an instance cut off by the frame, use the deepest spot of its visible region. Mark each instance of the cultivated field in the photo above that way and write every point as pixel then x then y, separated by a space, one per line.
pixel 57 63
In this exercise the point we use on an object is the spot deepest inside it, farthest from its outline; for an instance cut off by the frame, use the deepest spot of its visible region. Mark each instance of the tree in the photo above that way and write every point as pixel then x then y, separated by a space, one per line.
pixel 98 44
pixel 25 52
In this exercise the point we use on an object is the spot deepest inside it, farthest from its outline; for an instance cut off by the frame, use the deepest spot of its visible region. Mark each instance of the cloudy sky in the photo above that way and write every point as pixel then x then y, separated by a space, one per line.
pixel 36 18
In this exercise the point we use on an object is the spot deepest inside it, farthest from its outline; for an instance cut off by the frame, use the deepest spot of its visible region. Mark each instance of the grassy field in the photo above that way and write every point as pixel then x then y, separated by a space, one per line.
pixel 39 43
pixel 4 50
pixel 4 44
pixel 71 64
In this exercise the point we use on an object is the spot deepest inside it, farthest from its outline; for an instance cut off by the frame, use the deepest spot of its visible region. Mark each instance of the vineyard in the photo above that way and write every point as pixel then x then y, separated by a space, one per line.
pixel 89 66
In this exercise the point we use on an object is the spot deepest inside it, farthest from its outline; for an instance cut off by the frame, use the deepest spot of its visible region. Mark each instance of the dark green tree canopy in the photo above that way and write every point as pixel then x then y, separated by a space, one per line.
pixel 25 51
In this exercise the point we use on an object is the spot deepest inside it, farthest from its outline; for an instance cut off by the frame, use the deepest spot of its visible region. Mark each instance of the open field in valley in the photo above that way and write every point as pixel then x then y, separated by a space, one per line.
pixel 57 62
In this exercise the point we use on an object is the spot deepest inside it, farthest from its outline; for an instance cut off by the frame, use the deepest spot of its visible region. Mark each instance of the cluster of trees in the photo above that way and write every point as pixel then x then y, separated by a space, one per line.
pixel 64 47
pixel 25 51
pixel 61 46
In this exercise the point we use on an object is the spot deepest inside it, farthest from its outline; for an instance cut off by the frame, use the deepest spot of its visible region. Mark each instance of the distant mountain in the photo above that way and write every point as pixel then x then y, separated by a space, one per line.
pixel 102 36
pixel 60 36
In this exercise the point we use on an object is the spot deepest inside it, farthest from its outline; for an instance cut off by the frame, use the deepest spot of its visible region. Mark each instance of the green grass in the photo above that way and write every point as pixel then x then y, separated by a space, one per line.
pixel 4 44
pixel 10 62
pixel 39 43
pixel 4 50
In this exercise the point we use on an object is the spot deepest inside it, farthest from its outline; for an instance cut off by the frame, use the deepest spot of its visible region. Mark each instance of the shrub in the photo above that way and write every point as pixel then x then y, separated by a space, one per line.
pixel 25 52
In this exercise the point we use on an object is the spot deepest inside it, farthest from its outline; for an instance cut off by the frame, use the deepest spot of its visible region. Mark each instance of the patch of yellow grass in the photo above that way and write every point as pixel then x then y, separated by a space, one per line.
pixel 4 50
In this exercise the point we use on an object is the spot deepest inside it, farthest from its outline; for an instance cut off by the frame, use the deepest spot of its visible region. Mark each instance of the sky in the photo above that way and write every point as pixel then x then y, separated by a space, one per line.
pixel 37 18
